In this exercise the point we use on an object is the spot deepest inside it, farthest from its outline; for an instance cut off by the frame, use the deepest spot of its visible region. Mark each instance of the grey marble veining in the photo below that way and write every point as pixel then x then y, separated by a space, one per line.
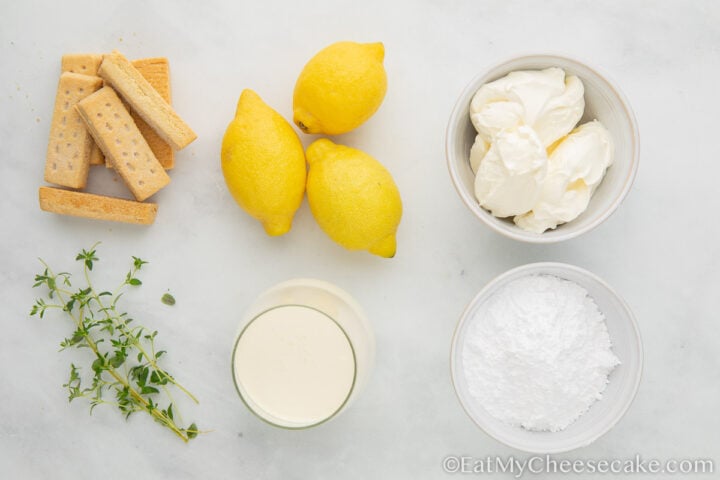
pixel 660 250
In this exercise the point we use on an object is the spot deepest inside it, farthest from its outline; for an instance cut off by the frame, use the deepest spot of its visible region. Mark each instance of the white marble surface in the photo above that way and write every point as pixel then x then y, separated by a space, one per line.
pixel 660 249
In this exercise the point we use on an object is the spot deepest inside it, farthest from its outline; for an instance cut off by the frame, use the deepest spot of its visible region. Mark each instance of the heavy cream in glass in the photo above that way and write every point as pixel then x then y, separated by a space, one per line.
pixel 303 352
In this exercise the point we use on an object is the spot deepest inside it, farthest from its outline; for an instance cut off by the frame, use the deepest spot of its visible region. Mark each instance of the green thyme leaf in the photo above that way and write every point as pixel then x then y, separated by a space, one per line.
pixel 168 299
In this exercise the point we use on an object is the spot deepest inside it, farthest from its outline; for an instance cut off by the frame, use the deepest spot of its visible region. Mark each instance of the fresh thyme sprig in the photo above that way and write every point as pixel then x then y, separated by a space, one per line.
pixel 125 364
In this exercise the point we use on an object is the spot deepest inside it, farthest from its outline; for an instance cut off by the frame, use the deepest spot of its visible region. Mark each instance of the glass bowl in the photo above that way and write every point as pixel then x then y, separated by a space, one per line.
pixel 341 318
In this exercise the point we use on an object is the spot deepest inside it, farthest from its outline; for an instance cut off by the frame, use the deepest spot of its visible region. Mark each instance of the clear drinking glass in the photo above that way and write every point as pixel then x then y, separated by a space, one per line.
pixel 303 352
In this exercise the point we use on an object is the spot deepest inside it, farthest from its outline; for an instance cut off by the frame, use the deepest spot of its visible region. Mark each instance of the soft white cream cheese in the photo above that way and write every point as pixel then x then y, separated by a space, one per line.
pixel 510 175
pixel 519 119
pixel 575 169
pixel 544 100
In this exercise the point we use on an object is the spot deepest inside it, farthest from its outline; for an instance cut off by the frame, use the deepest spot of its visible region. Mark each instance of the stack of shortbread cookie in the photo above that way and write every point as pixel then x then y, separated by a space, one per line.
pixel 111 111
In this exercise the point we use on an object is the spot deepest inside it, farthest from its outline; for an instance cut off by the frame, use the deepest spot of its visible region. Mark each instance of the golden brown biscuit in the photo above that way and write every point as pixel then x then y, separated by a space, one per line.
pixel 88 205
pixel 116 70
pixel 85 63
pixel 157 72
pixel 96 155
pixel 118 137
pixel 70 145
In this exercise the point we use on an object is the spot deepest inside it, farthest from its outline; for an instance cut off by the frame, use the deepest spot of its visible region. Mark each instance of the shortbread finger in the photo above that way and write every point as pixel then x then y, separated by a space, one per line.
pixel 85 63
pixel 88 205
pixel 68 155
pixel 96 155
pixel 118 137
pixel 116 70
pixel 157 72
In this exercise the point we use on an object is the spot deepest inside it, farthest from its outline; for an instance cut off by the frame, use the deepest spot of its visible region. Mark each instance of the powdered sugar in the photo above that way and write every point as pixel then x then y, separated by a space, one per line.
pixel 537 353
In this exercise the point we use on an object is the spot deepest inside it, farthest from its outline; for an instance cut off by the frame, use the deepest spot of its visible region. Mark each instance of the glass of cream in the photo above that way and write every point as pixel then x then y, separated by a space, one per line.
pixel 303 352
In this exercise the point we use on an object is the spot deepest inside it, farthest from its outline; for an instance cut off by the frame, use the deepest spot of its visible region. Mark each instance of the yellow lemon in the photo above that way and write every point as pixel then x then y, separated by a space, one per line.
pixel 353 198
pixel 264 164
pixel 340 88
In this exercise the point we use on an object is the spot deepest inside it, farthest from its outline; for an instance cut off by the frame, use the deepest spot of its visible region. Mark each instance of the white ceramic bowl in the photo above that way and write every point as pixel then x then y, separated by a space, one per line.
pixel 623 380
pixel 603 101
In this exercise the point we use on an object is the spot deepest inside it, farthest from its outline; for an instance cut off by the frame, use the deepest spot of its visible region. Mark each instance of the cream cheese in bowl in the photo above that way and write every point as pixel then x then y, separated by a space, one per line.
pixel 529 160
pixel 547 101
pixel 527 182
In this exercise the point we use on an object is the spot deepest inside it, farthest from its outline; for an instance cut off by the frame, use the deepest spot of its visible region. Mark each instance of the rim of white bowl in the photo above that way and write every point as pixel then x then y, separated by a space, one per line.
pixel 517 233
pixel 532 268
